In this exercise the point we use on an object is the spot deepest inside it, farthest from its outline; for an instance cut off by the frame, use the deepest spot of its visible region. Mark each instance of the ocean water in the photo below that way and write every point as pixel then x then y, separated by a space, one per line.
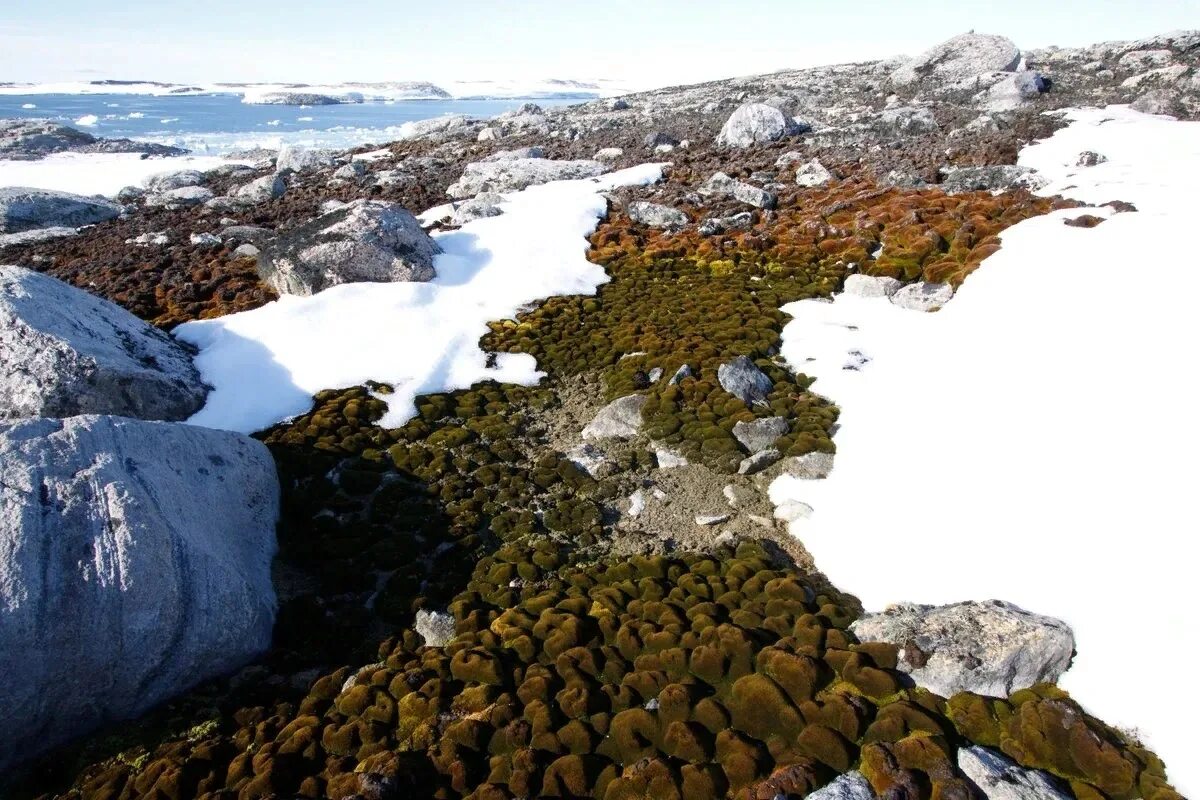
pixel 215 124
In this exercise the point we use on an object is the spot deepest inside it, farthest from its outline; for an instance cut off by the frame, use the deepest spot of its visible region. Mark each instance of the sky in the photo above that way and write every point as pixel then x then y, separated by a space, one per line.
pixel 639 42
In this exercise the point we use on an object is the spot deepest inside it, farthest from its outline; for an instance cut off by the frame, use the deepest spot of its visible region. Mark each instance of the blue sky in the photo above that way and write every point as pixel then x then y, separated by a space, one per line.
pixel 643 41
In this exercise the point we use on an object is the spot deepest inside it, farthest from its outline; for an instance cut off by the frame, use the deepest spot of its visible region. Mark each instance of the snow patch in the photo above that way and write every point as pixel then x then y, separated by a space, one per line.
pixel 97 173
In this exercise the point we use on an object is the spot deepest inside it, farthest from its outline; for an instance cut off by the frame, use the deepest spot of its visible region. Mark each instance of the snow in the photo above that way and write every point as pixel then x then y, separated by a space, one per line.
pixel 97 173
pixel 87 120
pixel 264 365
pixel 1035 440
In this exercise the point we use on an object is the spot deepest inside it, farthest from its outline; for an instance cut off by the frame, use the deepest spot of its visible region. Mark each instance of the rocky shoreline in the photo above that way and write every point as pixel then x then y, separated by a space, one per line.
pixel 631 615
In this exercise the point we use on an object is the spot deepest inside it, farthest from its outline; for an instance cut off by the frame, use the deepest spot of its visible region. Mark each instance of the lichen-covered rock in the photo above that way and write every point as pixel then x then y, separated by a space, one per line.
pixel 135 561
pixel 177 179
pixel 261 190
pixel 1158 101
pixel 297 158
pixel 745 381
pixel 620 419
pixel 1000 778
pixel 923 296
pixel 65 352
pixel 366 240
pixel 656 215
pixel 756 123
pixel 813 173
pixel 182 197
pixel 437 628
pixel 722 185
pixel 515 174
pixel 958 59
pixel 993 178
pixel 759 434
pixel 990 648
pixel 24 209
pixel 871 286
pixel 1012 91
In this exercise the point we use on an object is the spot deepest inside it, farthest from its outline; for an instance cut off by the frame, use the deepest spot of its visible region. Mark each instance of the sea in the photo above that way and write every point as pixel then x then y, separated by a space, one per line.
pixel 216 124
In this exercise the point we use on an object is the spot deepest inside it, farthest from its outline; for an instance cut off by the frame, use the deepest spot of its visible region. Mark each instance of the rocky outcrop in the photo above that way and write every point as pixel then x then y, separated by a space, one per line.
pixel 959 59
pixel 990 648
pixel 134 562
pixel 1012 91
pixel 655 215
pixel 1001 778
pixel 994 178
pixel 514 174
pixel 620 419
pixel 366 240
pixel 295 158
pixel 756 123
pixel 65 352
pixel 24 209
pixel 29 139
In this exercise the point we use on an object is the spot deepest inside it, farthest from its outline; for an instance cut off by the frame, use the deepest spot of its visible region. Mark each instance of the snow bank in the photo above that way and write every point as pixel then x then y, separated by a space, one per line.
pixel 1035 440
pixel 97 173
pixel 264 365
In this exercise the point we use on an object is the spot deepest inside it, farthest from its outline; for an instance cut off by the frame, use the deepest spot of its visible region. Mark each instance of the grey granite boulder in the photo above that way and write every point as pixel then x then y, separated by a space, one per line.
pixel 480 207
pixel 810 466
pixel 620 419
pixel 296 158
pixel 166 181
pixel 183 197
pixel 515 174
pixel 959 59
pixel 1158 101
pixel 759 434
pixel 1001 778
pixel 135 562
pixel 31 139
pixel 991 648
pixel 756 123
pixel 655 215
pixel 350 172
pixel 1012 91
pixel 745 381
pixel 35 236
pixel 437 628
pixel 520 152
pixel 24 209
pixel 722 185
pixel 261 190
pixel 923 296
pixel 871 286
pixel 848 786
pixel 65 352
pixel 813 173
pixel 999 177
pixel 366 240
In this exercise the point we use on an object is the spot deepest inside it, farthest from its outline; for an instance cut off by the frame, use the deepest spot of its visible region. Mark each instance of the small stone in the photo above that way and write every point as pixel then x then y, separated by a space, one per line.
pixel 813 174
pixel 792 510
pixel 850 786
pixel 637 503
pixel 656 216
pixel 205 240
pixel 923 296
pixel 437 628
pixel 708 520
pixel 669 459
pixel 591 459
pixel 608 154
pixel 1089 158
pixel 246 250
pixel 745 381
pixel 655 374
pixel 351 171
pixel 759 434
pixel 684 371
pixel 758 462
pixel 810 466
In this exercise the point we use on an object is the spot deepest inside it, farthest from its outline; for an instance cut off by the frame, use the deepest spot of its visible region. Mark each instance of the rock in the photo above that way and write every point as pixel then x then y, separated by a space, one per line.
pixel 708 520
pixel 519 173
pixel 294 158
pixel 34 236
pixel 848 786
pixel 130 194
pixel 1013 91
pixel 166 181
pixel 254 154
pixel 350 172
pixel 923 296
pixel 958 59
pixel 156 238
pixel 903 179
pixel 618 104
pixel 471 210
pixel 1000 177
pixel 520 152
pixel 759 434
pixel 179 198
pixel 721 185
pixel 810 466
pixel 1000 778
pixel 758 462
pixel 205 240
pixel 1158 101
pixel 592 460
pixel 437 628
pixel 230 171
pixel 246 251
pixel 29 139
pixel 990 648
pixel 792 510
pixel 135 562
pixel 813 173
pixel 871 286
pixel 737 222
pixel 245 233
pixel 655 374
pixel 620 419
pixel 65 352
pixel 745 381
pixel 1090 159
pixel 756 123
pixel 366 240
pixel 788 158
pixel 393 177
pixel 23 209
pixel 908 120
pixel 608 154
pixel 658 139
pixel 295 98
pixel 669 459
pixel 489 134
pixel 446 125
pixel 656 216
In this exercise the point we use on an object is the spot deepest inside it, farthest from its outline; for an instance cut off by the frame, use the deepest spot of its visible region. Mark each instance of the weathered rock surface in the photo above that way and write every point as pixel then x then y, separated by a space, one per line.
pixel 295 158
pixel 65 352
pixel 810 466
pixel 180 198
pixel 261 190
pixel 1001 778
pixel 745 381
pixel 871 286
pixel 813 173
pixel 923 296
pixel 722 185
pixel 849 786
pixel 134 562
pixel 620 419
pixel 655 215
pixel 518 173
pixel 166 181
pixel 759 434
pixel 24 209
pixel 959 59
pixel 476 208
pixel 991 648
pixel 992 178
pixel 1012 91
pixel 35 235
pixel 366 240
pixel 437 628
pixel 28 139
pixel 756 123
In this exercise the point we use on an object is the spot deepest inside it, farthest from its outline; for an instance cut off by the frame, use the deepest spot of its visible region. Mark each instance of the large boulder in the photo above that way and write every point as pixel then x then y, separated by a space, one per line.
pixel 991 648
pixel 654 215
pixel 135 562
pixel 959 59
pixel 1012 91
pixel 296 158
pixel 363 241
pixel 261 190
pixel 515 174
pixel 722 185
pixel 756 123
pixel 166 181
pixel 65 352
pixel 183 197
pixel 24 209
pixel 1001 778
pixel 993 178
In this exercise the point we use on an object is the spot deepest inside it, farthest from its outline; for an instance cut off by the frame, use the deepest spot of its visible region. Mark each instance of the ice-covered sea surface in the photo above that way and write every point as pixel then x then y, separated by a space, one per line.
pixel 215 124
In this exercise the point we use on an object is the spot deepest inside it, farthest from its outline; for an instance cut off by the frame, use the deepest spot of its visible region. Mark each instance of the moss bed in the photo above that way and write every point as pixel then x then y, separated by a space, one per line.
pixel 691 675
